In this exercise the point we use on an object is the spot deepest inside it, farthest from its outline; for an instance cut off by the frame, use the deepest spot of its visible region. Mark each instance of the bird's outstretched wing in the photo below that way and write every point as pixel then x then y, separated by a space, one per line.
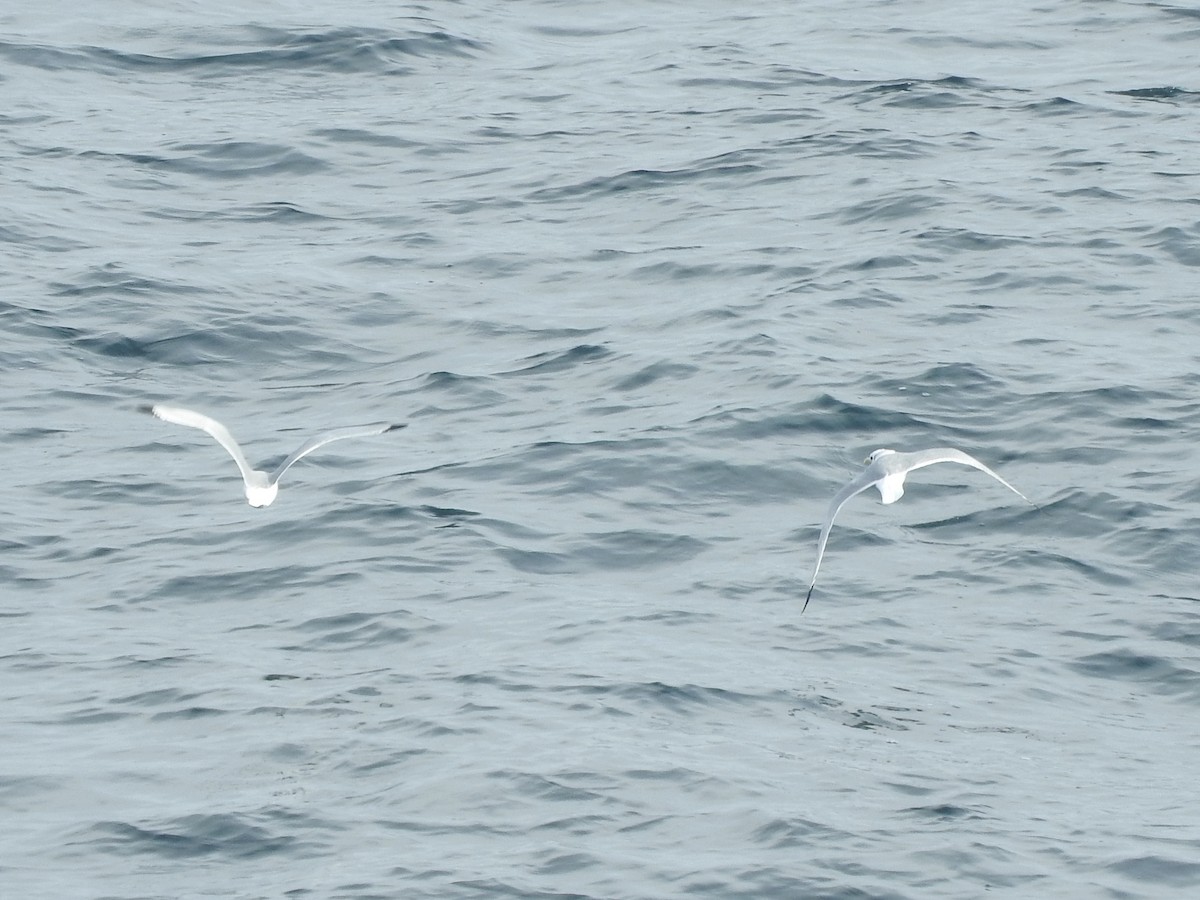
pixel 323 439
pixel 921 458
pixel 864 480
pixel 177 415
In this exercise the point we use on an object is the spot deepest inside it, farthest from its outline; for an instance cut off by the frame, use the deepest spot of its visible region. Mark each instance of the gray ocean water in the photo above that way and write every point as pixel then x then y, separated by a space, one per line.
pixel 646 281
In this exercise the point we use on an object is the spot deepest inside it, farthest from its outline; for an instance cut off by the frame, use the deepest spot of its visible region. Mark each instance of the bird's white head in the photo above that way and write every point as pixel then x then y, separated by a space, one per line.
pixel 878 453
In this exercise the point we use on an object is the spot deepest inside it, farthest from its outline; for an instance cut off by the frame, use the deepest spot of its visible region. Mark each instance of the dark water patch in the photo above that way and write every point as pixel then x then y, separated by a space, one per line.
pixel 1160 870
pixel 560 361
pixel 47 242
pixel 475 390
pixel 828 883
pixel 644 180
pixel 1181 244
pixel 793 833
pixel 963 314
pixel 235 159
pixel 483 889
pixel 956 239
pixel 545 788
pixel 222 835
pixel 587 32
pixel 1151 551
pixel 870 720
pixel 1028 560
pixel 158 697
pixel 539 562
pixel 824 415
pixel 492 680
pixel 1021 280
pixel 915 789
pixel 760 346
pixel 868 298
pixel 944 813
pixel 580 826
pixel 944 93
pixel 335 51
pixel 1089 405
pixel 556 862
pixel 1166 94
pixel 1145 423
pixel 671 618
pixel 635 549
pixel 275 339
pixel 629 550
pixel 438 512
pixel 358 631
pixel 216 344
pixel 777 77
pixel 96 492
pixel 653 373
pixel 363 520
pixel 1187 13
pixel 790 117
pixel 673 775
pixel 1157 673
pixel 188 714
pixel 1053 107
pixel 1095 192
pixel 880 263
pixel 700 484
pixel 636 180
pixel 253 584
pixel 870 143
pixel 91 716
pixel 116 280
pixel 367 49
pixel 367 138
pixel 490 328
pixel 1013 517
pixel 18 790
pixel 681 699
pixel 454 829
pixel 239 159
pixel 563 467
pixel 670 271
pixel 277 212
pixel 886 209
pixel 1185 631
pixel 963 380
pixel 113 344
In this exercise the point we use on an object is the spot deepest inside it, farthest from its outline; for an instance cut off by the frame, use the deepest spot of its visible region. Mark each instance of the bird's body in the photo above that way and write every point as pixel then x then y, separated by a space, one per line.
pixel 261 487
pixel 886 471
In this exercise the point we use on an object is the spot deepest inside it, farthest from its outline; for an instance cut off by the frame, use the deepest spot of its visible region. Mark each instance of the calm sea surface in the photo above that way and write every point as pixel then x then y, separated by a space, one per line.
pixel 646 281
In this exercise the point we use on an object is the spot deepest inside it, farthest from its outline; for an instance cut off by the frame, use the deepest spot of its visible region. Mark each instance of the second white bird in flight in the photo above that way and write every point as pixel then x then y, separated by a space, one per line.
pixel 261 487
pixel 886 470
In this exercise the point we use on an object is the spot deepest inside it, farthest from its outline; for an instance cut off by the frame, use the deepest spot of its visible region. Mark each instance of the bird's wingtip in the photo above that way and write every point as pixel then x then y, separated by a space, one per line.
pixel 395 427
pixel 807 598
pixel 147 408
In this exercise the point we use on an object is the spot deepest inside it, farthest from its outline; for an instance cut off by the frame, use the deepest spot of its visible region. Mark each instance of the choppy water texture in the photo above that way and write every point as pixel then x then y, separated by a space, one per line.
pixel 647 282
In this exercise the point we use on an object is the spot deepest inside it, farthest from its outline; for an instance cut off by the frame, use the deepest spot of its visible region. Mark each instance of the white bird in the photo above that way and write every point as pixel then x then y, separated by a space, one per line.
pixel 886 470
pixel 261 488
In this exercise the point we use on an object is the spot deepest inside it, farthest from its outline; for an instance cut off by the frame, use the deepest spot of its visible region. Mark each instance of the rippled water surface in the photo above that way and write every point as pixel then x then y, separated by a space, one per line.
pixel 646 282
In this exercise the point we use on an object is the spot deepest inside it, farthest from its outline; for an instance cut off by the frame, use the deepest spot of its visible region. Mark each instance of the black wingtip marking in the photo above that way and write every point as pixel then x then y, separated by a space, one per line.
pixel 146 408
pixel 806 599
pixel 395 427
